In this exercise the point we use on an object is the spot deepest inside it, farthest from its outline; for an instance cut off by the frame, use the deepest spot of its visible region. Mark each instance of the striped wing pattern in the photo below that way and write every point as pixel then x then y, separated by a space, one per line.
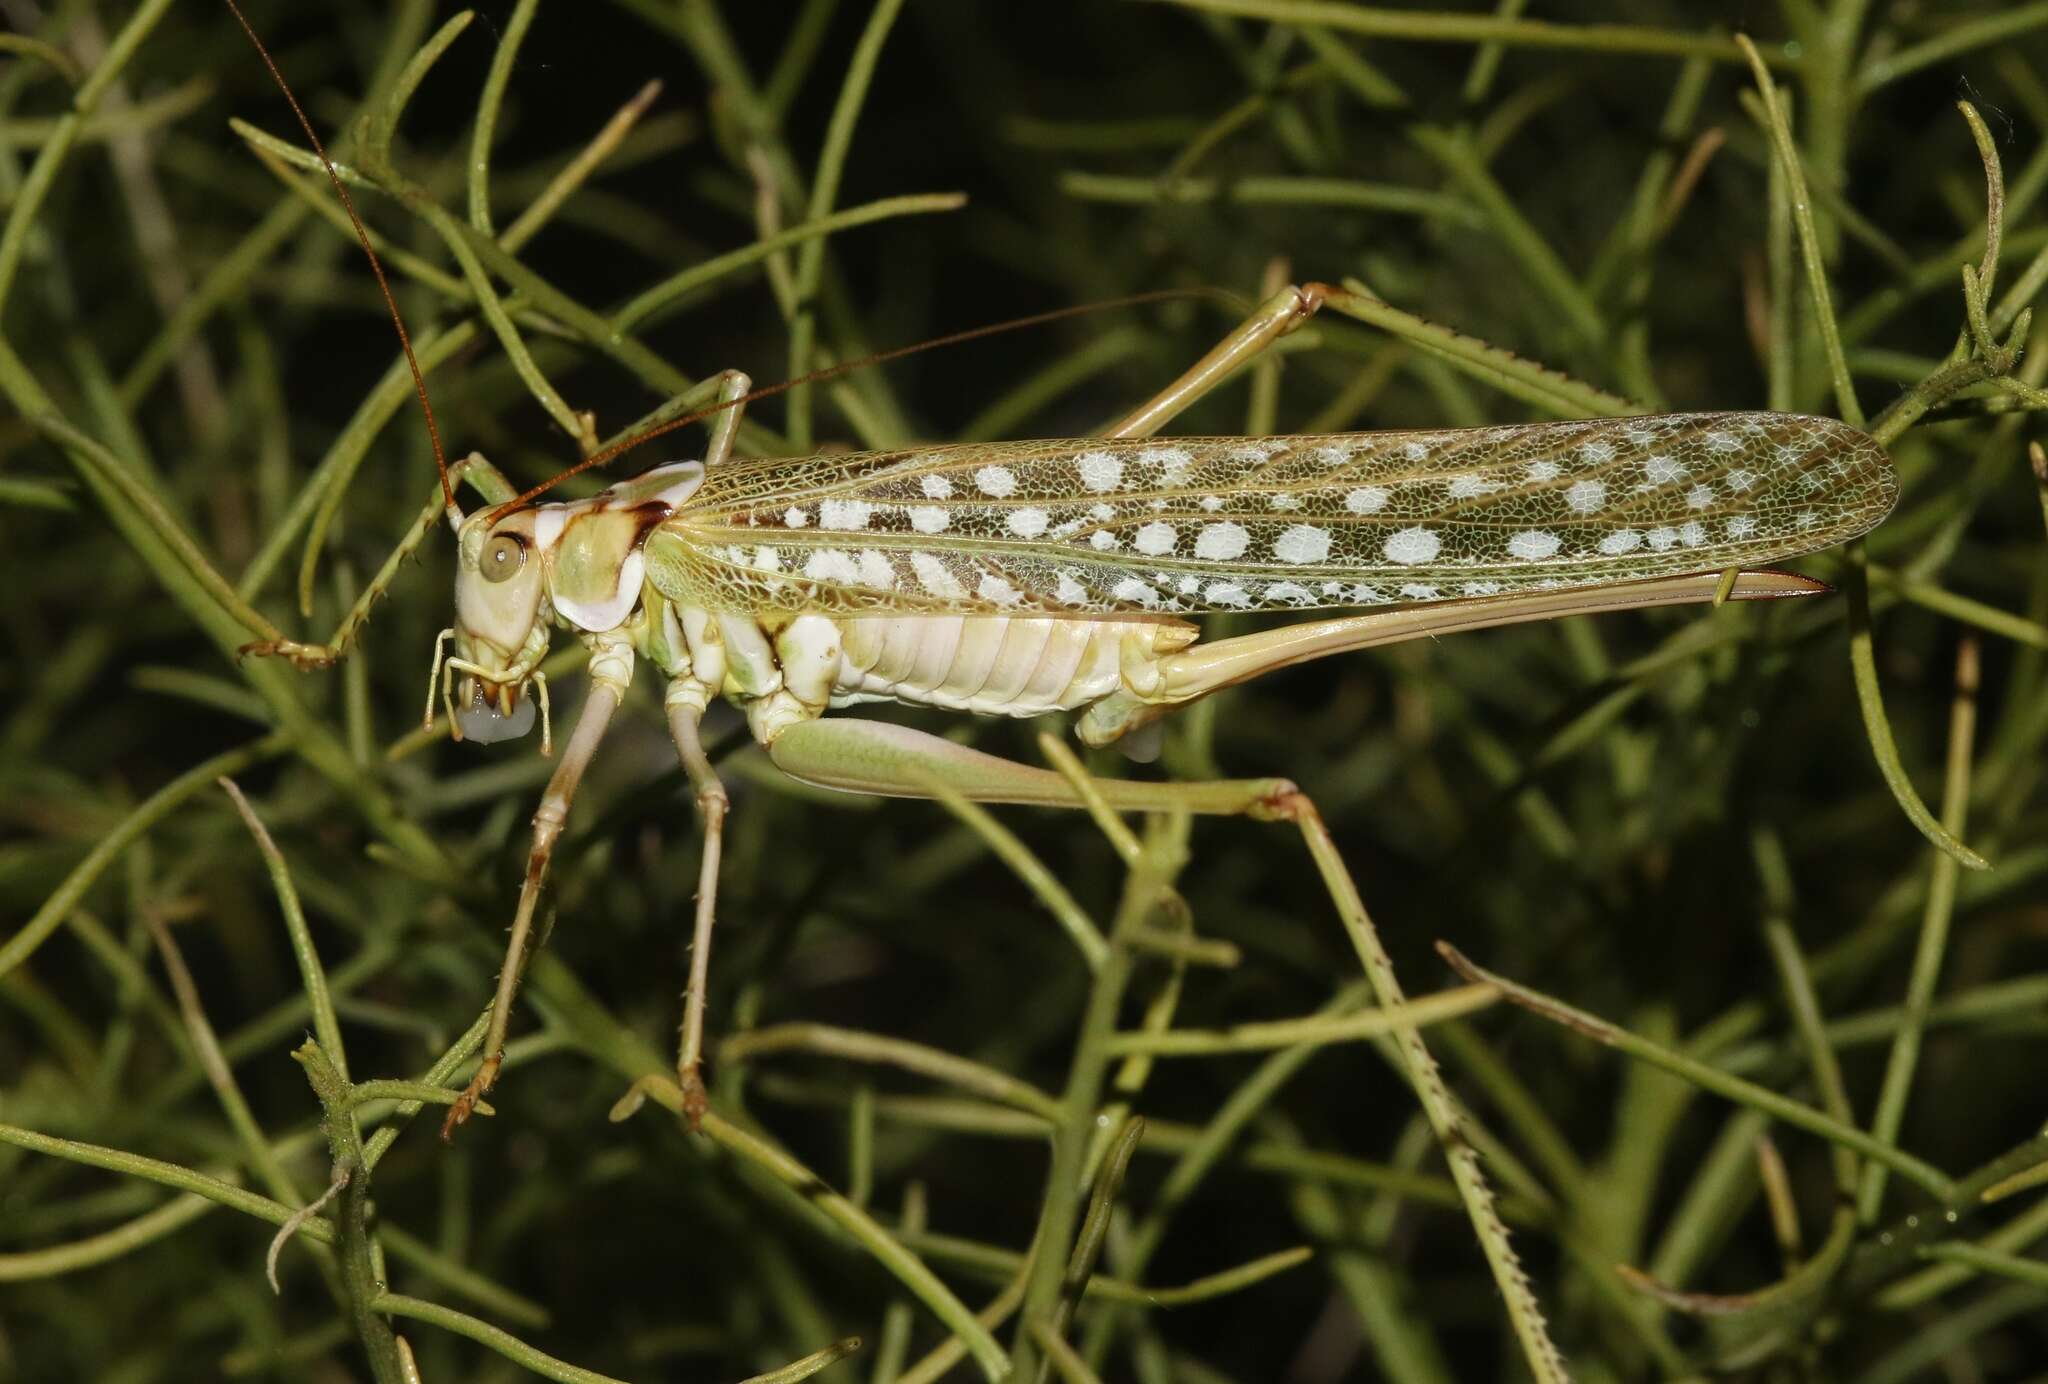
pixel 1185 525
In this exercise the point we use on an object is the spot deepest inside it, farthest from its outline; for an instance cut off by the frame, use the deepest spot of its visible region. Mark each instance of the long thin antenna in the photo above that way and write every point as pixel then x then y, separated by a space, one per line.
pixel 617 449
pixel 419 381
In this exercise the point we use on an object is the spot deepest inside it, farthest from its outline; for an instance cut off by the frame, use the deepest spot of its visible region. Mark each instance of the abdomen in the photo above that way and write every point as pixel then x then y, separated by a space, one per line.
pixel 997 665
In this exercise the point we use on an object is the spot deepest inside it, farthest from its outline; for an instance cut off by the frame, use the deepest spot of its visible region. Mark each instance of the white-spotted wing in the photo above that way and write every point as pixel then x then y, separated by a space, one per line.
pixel 1183 525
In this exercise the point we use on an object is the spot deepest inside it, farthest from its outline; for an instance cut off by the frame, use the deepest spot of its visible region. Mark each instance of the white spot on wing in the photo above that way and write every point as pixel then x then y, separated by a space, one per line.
pixel 1533 545
pixel 928 518
pixel 1225 593
pixel 1154 540
pixel 995 480
pixel 1465 487
pixel 1131 589
pixel 1410 546
pixel 1223 542
pixel 1175 461
pixel 875 570
pixel 831 564
pixel 1099 471
pixel 1586 496
pixel 1028 522
pixel 1742 526
pixel 1541 471
pixel 1367 499
pixel 847 515
pixel 794 518
pixel 1699 497
pixel 1302 543
pixel 1621 541
pixel 933 576
pixel 1067 591
pixel 1102 540
pixel 936 487
pixel 994 589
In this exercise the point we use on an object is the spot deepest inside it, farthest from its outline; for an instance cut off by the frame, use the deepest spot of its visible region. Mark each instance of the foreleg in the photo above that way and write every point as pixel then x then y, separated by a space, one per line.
pixel 481 475
pixel 611 672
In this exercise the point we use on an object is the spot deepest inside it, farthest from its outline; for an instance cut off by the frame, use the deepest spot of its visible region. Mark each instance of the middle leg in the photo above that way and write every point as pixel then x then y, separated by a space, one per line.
pixel 686 701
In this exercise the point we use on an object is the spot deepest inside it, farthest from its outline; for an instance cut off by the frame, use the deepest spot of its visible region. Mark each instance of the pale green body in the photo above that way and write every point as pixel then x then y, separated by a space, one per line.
pixel 598 566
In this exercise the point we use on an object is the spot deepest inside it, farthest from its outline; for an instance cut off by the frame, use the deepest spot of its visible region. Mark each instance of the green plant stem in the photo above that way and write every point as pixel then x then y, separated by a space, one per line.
pixel 1310 1032
pixel 1851 411
pixel 146 1229
pixel 214 1189
pixel 1541 1355
pixel 1922 1174
pixel 359 1276
pixel 914 1057
pixel 504 58
pixel 1147 882
pixel 1934 926
pixel 497 1338
pixel 1437 26
pixel 1954 39
pixel 160 804
pixel 312 975
pixel 810 261
pixel 50 159
pixel 1877 725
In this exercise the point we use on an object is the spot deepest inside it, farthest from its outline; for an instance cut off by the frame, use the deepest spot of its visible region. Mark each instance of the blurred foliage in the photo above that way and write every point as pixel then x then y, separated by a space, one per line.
pixel 1669 820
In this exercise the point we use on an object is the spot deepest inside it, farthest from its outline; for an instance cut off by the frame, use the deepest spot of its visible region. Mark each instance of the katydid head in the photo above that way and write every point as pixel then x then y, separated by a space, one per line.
pixel 516 572
pixel 500 633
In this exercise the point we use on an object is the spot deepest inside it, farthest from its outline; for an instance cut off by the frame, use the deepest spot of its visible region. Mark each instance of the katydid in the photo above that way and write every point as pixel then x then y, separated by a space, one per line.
pixel 1034 577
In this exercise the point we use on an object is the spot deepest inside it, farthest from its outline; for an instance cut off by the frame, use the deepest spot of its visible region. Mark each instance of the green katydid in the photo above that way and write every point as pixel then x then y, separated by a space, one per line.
pixel 1026 578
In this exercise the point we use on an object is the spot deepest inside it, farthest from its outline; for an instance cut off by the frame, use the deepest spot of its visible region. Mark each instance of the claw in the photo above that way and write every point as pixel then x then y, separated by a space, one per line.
pixel 472 1095
pixel 696 1100
pixel 308 657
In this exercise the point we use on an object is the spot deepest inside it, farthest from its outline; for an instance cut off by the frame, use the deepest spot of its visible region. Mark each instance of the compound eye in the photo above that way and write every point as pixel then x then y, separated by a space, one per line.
pixel 503 557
